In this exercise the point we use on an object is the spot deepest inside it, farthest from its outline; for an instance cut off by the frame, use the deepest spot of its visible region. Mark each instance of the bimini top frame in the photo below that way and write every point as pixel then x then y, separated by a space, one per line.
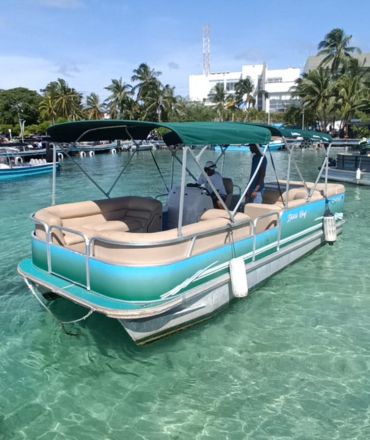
pixel 187 133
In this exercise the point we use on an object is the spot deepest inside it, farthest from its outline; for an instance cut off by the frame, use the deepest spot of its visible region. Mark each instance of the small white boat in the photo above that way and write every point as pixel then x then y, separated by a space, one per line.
pixel 158 268
pixel 12 170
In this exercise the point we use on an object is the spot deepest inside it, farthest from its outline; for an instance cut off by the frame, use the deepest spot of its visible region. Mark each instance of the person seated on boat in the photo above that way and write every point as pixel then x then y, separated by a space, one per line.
pixel 256 188
pixel 216 179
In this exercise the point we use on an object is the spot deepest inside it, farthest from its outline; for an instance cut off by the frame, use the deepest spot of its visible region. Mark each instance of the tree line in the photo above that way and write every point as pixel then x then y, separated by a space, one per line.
pixel 339 89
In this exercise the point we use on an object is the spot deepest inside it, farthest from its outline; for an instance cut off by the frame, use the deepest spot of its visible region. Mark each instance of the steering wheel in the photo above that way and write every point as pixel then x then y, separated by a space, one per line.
pixel 196 185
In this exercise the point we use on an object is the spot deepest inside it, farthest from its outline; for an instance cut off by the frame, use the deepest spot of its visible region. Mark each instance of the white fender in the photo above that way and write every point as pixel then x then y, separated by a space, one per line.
pixel 91 153
pixel 18 160
pixel 358 174
pixel 82 154
pixel 113 151
pixel 330 229
pixel 238 277
pixel 60 156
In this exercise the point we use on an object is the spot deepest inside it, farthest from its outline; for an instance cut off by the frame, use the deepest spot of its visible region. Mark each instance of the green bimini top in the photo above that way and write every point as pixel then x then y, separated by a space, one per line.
pixel 295 133
pixel 186 133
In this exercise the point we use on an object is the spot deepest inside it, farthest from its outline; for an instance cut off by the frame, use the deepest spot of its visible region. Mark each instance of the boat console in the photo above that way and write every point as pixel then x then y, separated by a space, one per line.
pixel 196 201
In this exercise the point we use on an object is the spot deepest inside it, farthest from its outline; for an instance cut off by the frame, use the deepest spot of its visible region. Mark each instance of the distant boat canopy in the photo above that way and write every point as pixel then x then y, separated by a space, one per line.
pixel 290 133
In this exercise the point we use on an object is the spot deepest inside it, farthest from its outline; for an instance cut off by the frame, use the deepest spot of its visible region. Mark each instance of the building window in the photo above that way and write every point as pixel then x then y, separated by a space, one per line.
pixel 230 86
pixel 280 105
pixel 277 79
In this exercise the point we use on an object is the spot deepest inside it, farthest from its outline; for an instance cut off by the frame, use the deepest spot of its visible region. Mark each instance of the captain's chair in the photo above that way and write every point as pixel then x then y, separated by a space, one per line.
pixel 229 188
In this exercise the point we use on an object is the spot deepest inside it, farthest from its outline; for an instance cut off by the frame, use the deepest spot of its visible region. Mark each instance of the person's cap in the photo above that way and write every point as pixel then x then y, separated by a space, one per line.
pixel 210 164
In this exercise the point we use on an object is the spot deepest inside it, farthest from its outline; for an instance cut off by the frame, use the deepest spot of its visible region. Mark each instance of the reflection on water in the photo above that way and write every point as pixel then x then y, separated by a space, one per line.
pixel 290 361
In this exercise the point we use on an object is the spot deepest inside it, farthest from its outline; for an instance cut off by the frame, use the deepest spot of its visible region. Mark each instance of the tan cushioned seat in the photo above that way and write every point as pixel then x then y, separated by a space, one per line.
pixel 254 210
pixel 211 214
pixel 333 188
pixel 170 252
pixel 93 230
pixel 120 213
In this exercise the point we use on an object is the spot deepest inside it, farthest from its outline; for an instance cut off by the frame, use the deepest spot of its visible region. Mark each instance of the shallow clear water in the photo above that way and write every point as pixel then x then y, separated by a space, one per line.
pixel 292 361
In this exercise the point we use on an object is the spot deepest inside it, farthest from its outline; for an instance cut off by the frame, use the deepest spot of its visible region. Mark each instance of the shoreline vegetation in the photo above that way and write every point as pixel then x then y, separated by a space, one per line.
pixel 338 90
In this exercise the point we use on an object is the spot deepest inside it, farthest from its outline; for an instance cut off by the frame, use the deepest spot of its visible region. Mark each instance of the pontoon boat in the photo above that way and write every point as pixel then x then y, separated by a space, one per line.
pixel 160 267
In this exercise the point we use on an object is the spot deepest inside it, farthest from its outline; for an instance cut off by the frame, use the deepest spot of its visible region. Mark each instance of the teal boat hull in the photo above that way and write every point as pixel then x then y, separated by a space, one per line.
pixel 138 295
pixel 25 171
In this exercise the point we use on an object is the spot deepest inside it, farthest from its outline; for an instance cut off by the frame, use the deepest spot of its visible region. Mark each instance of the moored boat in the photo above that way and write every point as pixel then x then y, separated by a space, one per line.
pixel 352 166
pixel 158 268
pixel 10 170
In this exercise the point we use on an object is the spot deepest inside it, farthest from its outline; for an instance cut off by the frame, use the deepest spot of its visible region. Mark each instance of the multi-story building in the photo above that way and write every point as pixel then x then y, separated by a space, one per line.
pixel 272 87
pixel 314 61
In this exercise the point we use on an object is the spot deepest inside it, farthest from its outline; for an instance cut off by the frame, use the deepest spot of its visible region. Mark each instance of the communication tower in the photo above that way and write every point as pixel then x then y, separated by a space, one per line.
pixel 206 51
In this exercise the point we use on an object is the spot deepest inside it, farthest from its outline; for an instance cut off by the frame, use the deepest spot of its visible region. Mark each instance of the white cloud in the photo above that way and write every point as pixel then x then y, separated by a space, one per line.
pixel 86 77
pixel 20 71
pixel 173 65
pixel 68 69
pixel 35 73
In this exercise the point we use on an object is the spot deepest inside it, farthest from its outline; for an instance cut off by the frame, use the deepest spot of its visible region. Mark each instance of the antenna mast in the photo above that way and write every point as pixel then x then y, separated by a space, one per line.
pixel 206 51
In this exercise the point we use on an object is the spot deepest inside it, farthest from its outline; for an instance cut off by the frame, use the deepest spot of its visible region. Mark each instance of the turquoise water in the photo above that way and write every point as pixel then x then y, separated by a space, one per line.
pixel 292 361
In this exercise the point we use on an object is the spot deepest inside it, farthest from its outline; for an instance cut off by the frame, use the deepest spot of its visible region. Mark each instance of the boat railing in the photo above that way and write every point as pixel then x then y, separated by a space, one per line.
pixel 90 242
pixel 276 215
pixel 180 239
pixel 70 231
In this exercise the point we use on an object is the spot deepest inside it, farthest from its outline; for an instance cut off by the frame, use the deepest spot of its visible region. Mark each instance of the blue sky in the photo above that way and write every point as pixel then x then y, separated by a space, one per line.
pixel 90 42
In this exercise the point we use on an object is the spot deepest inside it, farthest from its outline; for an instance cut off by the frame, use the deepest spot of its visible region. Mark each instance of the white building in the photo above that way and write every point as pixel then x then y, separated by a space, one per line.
pixel 276 82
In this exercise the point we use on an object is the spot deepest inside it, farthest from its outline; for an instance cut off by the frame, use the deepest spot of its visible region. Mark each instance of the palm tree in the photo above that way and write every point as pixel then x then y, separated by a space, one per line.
pixel 93 106
pixel 133 109
pixel 147 81
pixel 336 49
pixel 65 101
pixel 117 101
pixel 316 92
pixel 47 109
pixel 244 91
pixel 169 106
pixel 353 97
pixel 218 96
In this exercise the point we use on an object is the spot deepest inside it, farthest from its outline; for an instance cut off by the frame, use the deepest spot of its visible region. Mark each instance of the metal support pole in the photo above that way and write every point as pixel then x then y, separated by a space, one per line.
pixel 327 169
pixel 251 180
pixel 121 172
pixel 54 181
pixel 87 174
pixel 290 150
pixel 173 154
pixel 219 198
pixel 182 191
pixel 187 169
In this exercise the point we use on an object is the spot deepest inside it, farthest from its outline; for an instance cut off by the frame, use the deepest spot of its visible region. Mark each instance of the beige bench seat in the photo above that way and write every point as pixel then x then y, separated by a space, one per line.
pixel 272 196
pixel 254 210
pixel 212 231
pixel 142 214
pixel 273 203
pixel 333 188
